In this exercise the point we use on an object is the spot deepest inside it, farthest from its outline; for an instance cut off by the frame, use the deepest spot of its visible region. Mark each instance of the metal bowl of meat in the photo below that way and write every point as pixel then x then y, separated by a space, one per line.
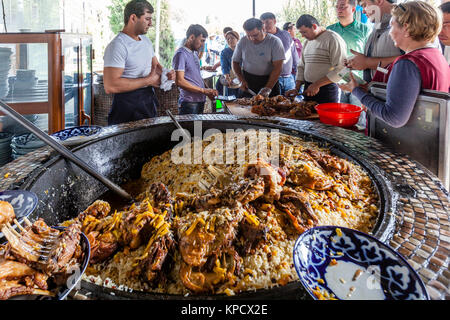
pixel 214 230
pixel 41 262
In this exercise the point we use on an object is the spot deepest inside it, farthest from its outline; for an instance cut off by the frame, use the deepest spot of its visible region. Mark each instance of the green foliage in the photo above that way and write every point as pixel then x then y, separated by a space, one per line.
pixel 166 40
pixel 37 15
pixel 322 10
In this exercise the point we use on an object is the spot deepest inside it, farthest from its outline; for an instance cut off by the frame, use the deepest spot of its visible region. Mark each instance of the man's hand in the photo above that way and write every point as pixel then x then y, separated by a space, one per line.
pixel 265 92
pixel 171 75
pixel 358 62
pixel 210 93
pixel 227 80
pixel 244 85
pixel 154 78
pixel 156 66
pixel 352 84
pixel 208 68
pixel 291 93
pixel 312 90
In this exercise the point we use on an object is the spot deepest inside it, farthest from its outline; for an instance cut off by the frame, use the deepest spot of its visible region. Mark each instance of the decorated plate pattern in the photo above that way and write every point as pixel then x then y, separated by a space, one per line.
pixel 77 135
pixel 341 263
pixel 23 202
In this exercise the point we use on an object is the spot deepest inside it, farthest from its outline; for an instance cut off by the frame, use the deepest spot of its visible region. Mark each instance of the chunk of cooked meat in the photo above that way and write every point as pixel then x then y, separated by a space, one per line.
pixel 236 193
pixel 12 288
pixel 17 278
pixel 99 209
pixel 274 178
pixel 246 190
pixel 211 200
pixel 194 245
pixel 203 235
pixel 263 110
pixel 154 257
pixel 309 176
pixel 332 165
pixel 103 246
pixel 66 246
pixel 220 269
pixel 133 225
pixel 298 209
pixel 6 213
pixel 10 269
pixel 159 194
pixel 252 235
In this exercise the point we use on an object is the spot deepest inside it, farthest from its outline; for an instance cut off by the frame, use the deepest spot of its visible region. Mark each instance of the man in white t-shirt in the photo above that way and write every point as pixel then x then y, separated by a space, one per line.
pixel 131 69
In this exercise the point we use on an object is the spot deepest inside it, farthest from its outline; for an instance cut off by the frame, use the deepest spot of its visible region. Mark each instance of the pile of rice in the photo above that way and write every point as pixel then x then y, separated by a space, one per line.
pixel 272 263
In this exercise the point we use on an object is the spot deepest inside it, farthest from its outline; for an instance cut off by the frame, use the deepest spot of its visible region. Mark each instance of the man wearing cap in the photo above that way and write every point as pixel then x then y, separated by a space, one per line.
pixel 261 55
pixel 379 50
pixel 287 81
pixel 131 69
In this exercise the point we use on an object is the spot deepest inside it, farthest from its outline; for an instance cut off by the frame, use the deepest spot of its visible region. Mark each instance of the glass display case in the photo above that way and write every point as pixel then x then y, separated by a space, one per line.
pixel 47 77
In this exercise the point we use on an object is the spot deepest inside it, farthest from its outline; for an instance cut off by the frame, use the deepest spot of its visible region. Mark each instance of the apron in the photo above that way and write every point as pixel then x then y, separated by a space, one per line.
pixel 327 93
pixel 256 83
pixel 132 106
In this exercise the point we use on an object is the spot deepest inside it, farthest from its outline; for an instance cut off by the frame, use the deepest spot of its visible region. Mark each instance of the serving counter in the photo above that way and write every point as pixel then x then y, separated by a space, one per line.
pixel 422 221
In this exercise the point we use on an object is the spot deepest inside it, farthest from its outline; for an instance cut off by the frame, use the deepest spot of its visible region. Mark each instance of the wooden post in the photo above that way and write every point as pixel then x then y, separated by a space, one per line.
pixel 158 25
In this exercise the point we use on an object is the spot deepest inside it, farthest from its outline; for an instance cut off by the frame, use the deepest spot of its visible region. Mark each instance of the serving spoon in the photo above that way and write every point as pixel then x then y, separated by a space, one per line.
pixel 66 153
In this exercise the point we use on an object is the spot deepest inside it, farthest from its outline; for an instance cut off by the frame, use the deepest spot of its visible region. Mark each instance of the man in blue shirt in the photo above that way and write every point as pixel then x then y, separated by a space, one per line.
pixel 187 72
pixel 286 79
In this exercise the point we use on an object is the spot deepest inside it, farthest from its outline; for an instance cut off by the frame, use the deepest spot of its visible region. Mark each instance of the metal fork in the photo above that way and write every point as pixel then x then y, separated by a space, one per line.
pixel 27 246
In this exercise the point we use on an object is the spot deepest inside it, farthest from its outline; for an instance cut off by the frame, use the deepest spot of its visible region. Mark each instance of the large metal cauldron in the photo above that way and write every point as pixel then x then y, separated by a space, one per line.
pixel 64 190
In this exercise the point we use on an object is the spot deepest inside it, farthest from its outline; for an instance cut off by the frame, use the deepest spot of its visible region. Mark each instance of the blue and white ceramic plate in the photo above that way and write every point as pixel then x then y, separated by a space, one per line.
pixel 77 135
pixel 22 201
pixel 27 141
pixel 341 263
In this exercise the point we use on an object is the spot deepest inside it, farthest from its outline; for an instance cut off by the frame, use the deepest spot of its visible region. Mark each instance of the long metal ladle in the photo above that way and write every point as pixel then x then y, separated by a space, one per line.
pixel 66 153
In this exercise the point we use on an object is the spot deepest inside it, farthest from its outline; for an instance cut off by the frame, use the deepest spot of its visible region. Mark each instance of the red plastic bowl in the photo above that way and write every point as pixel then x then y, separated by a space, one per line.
pixel 338 114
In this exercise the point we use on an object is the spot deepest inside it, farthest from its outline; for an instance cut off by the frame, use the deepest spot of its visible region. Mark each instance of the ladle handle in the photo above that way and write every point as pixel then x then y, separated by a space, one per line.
pixel 178 125
pixel 62 150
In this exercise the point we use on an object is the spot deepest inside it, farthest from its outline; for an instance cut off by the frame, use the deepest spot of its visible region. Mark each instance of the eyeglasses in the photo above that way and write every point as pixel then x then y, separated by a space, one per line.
pixel 402 7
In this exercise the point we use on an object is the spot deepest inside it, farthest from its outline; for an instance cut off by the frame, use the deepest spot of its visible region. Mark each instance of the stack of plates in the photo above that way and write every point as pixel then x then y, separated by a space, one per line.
pixel 12 126
pixel 69 119
pixel 25 80
pixel 5 65
pixel 25 143
pixel 5 148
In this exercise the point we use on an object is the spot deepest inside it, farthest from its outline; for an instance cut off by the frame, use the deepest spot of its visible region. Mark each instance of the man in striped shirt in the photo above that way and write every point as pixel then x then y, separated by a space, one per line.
pixel 323 52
